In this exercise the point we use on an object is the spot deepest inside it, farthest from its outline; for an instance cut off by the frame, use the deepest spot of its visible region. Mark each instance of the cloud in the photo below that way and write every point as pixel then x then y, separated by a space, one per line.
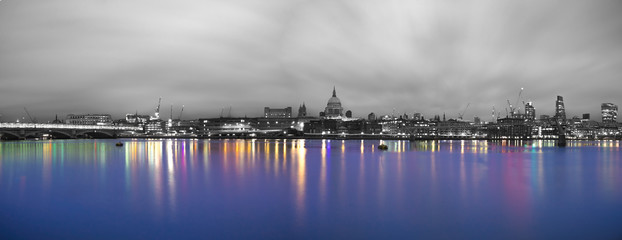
pixel 415 56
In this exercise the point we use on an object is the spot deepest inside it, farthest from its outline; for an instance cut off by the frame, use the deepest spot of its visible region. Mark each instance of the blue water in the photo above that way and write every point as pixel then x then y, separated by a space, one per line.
pixel 313 189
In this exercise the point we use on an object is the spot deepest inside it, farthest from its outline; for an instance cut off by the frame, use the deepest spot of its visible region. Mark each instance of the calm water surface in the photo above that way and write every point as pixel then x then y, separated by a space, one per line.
pixel 223 189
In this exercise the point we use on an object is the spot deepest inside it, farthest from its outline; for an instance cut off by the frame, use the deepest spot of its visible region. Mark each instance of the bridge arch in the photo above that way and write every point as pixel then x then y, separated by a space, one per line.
pixel 59 134
pixel 96 134
pixel 9 136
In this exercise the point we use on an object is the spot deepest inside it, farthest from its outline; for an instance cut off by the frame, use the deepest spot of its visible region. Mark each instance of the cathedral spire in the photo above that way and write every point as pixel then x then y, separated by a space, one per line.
pixel 334 92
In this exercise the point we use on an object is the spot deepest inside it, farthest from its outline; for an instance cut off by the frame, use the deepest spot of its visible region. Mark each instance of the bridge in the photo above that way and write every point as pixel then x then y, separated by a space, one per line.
pixel 16 131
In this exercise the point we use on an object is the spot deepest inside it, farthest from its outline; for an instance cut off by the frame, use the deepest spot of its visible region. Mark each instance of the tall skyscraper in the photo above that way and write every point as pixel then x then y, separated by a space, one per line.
pixel 609 112
pixel 560 110
pixel 530 111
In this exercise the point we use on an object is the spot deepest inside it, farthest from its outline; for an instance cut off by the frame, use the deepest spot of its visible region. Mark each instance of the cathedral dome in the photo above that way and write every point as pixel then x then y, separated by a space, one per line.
pixel 333 108
pixel 334 100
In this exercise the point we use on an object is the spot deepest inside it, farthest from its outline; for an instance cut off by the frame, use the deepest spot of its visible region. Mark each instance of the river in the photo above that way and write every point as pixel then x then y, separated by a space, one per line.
pixel 310 189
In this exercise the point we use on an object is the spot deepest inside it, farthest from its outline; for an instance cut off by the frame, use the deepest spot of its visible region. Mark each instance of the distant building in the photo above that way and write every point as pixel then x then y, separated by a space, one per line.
pixel 609 112
pixel 136 119
pixel 560 110
pixel 277 112
pixel 333 107
pixel 348 114
pixel 586 116
pixel 530 111
pixel 302 110
pixel 277 123
pixel 154 127
pixel 371 117
pixel 89 119
pixel 544 117
pixel 56 121
pixel 417 116
pixel 182 126
pixel 510 128
pixel 477 120
pixel 220 127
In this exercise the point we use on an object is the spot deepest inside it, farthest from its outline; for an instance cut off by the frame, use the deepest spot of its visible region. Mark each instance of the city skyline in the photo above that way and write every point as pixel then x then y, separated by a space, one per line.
pixel 170 113
pixel 431 57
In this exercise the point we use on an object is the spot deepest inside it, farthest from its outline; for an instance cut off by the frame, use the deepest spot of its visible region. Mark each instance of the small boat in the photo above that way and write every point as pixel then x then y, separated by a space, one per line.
pixel 119 144
pixel 383 147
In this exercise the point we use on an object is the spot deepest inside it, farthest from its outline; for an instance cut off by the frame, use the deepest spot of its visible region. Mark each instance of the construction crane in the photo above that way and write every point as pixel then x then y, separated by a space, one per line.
pixel 32 120
pixel 511 109
pixel 460 115
pixel 520 93
pixel 493 113
pixel 182 111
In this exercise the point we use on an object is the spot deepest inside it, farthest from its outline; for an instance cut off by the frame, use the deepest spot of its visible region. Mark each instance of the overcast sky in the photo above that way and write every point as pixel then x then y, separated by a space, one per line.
pixel 428 56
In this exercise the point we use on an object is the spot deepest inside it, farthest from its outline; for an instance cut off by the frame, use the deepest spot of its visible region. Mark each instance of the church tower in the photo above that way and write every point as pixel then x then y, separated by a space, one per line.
pixel 302 110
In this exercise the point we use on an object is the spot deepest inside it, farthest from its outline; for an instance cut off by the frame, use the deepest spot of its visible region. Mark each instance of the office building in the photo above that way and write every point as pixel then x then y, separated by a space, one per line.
pixel 371 117
pixel 609 112
pixel 560 110
pixel 530 111
pixel 89 119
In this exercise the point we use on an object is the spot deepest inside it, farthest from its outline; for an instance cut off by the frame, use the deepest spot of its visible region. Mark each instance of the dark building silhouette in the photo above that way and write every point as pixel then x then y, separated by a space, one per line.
pixel 371 117
pixel 349 114
pixel 417 116
pixel 56 120
pixel 530 111
pixel 277 112
pixel 302 110
pixel 586 116
pixel 436 118
pixel 560 110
